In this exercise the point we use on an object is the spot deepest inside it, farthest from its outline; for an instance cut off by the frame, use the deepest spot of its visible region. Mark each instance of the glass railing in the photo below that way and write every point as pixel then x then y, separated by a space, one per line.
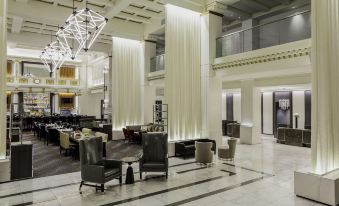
pixel 289 29
pixel 158 63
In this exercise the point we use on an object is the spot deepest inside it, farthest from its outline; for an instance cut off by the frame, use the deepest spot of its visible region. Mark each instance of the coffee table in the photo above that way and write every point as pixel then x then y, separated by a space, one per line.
pixel 129 173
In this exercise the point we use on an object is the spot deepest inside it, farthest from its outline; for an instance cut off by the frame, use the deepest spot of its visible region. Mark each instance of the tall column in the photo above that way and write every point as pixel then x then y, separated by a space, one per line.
pixel 211 85
pixel 250 113
pixel 325 85
pixel 3 71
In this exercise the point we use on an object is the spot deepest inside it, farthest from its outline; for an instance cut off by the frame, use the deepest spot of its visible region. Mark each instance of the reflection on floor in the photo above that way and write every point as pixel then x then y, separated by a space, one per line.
pixel 261 175
pixel 47 160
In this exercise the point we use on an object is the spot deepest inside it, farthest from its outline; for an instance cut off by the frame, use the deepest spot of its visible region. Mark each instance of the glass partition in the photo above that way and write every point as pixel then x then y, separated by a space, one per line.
pixel 158 63
pixel 292 28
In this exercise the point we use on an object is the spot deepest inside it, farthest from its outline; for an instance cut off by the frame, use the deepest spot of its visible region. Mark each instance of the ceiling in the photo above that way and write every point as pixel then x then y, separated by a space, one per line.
pixel 30 23
pixel 245 9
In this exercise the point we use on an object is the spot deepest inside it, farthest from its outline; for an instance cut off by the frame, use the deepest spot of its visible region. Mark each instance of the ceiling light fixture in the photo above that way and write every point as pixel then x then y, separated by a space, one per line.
pixel 80 32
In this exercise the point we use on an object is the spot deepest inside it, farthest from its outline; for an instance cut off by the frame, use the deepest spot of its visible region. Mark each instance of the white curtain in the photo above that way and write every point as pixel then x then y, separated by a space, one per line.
pixel 182 66
pixel 127 82
pixel 3 66
pixel 325 85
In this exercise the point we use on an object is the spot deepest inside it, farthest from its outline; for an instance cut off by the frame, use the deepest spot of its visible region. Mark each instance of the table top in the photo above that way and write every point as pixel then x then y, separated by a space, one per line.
pixel 130 159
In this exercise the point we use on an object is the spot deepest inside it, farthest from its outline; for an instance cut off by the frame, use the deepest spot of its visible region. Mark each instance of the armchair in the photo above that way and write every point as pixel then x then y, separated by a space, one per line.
pixel 94 168
pixel 65 143
pixel 203 152
pixel 228 152
pixel 155 153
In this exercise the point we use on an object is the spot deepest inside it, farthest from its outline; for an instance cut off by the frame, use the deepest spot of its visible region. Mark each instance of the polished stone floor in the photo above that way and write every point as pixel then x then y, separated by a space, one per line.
pixel 260 175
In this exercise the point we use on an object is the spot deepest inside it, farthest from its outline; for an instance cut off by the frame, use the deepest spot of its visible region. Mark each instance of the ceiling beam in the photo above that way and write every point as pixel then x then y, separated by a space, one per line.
pixel 243 14
pixel 185 4
pixel 16 24
pixel 117 8
pixel 256 4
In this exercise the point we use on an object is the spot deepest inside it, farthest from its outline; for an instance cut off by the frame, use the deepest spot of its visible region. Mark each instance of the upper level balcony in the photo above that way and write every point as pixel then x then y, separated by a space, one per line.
pixel 157 63
pixel 23 81
pixel 289 29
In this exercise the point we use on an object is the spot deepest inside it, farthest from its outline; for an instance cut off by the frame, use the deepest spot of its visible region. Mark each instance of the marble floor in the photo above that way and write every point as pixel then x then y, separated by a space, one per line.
pixel 260 175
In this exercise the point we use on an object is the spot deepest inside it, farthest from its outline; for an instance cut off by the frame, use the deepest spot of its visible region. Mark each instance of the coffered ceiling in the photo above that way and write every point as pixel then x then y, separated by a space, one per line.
pixel 31 22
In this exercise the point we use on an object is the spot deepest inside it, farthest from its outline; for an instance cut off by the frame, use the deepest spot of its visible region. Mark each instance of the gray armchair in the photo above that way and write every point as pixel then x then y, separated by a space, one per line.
pixel 155 153
pixel 94 168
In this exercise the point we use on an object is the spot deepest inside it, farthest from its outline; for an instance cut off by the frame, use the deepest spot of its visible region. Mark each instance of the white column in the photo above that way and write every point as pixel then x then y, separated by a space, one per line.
pixel 56 103
pixel 211 85
pixel 3 71
pixel 325 85
pixel 250 128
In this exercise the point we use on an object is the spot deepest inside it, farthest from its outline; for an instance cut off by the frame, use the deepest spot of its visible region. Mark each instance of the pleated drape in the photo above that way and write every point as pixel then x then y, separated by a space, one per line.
pixel 182 79
pixel 127 82
pixel 325 85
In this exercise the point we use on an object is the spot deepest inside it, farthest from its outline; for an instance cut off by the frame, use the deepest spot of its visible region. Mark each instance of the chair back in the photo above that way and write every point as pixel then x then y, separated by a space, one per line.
pixel 102 135
pixel 86 131
pixel 90 150
pixel 203 152
pixel 124 130
pixel 64 140
pixel 155 147
pixel 232 143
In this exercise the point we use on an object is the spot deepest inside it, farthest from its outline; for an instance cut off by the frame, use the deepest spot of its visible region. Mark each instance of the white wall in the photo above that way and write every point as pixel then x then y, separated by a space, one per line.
pixel 89 104
pixel 299 107
pixel 267 112
pixel 237 107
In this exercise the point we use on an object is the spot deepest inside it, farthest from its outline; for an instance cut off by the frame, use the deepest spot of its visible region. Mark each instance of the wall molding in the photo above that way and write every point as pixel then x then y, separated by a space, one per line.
pixel 259 59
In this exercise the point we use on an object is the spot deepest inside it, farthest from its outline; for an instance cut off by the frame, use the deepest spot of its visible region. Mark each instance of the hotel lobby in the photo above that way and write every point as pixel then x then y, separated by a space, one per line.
pixel 169 102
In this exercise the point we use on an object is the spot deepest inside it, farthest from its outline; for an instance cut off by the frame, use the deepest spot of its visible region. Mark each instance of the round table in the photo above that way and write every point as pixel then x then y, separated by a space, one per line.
pixel 129 173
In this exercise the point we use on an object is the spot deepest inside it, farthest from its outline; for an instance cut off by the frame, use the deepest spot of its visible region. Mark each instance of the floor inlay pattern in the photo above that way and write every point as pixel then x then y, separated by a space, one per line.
pixel 261 175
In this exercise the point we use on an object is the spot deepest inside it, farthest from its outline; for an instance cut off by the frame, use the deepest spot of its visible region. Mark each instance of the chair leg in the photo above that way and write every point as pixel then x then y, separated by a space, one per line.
pixel 140 175
pixel 167 175
pixel 120 180
pixel 81 183
pixel 102 188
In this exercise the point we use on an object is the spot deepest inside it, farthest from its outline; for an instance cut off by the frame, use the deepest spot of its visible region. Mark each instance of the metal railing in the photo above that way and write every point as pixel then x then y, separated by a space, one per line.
pixel 289 29
pixel 158 63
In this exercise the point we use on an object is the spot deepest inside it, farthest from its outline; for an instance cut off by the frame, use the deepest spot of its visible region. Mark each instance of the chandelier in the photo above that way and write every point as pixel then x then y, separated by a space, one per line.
pixel 79 33
pixel 54 55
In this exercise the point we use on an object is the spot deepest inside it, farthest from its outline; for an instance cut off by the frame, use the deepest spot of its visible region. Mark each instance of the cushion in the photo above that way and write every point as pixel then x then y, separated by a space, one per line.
pixel 154 165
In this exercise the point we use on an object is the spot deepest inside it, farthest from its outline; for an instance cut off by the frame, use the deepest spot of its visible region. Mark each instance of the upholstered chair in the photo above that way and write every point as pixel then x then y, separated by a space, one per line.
pixel 228 151
pixel 155 153
pixel 104 140
pixel 95 169
pixel 65 143
pixel 203 152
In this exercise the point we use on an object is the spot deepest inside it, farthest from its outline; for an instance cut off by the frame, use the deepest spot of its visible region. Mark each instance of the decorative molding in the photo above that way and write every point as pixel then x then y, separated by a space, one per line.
pixel 263 59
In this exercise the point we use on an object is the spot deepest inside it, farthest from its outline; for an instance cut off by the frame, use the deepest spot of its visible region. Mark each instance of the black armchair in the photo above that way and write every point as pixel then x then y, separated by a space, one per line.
pixel 155 153
pixel 94 168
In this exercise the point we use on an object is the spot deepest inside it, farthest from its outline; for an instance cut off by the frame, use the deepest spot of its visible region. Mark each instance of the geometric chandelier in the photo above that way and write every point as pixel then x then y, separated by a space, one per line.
pixel 80 32
pixel 54 55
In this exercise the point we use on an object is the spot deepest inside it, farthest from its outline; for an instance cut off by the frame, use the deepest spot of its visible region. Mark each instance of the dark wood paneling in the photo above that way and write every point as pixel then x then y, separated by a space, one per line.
pixel 230 111
pixel 308 109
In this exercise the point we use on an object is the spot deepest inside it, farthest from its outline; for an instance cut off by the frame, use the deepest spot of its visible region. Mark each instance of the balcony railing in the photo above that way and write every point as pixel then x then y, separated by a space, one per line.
pixel 42 81
pixel 158 63
pixel 289 29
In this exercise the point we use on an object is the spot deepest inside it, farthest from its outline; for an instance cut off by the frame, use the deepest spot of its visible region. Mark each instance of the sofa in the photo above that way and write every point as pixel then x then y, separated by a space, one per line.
pixel 186 148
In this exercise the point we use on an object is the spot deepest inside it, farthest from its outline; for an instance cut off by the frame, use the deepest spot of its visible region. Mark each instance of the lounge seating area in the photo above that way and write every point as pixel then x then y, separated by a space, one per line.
pixel 186 148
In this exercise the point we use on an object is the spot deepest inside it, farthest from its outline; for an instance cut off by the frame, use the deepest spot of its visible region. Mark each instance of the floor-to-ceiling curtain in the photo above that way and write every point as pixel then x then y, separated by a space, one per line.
pixel 182 79
pixel 325 85
pixel 3 69
pixel 127 82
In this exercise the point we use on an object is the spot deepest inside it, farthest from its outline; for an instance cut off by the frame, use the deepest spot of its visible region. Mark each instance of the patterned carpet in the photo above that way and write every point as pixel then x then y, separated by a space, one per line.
pixel 47 160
